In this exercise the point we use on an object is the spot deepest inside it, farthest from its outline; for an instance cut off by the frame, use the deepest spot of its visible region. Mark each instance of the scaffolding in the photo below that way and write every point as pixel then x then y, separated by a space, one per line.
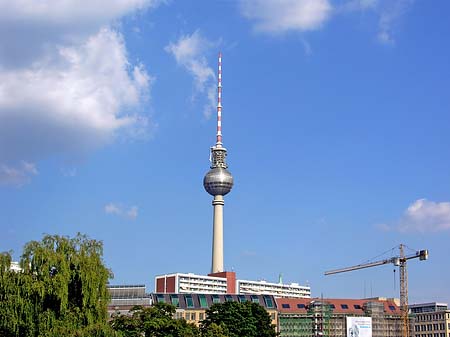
pixel 315 323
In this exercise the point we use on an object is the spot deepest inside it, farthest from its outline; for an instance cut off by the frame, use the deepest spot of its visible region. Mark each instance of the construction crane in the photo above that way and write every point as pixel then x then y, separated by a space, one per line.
pixel 399 261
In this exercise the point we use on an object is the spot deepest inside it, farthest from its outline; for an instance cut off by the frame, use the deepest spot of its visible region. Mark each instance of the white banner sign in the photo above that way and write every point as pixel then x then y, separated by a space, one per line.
pixel 359 326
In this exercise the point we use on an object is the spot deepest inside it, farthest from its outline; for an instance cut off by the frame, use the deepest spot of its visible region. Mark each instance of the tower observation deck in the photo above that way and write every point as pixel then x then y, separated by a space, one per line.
pixel 218 182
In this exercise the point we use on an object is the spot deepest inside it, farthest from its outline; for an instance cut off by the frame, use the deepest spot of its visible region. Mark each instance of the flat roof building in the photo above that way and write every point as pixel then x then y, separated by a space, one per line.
pixel 226 283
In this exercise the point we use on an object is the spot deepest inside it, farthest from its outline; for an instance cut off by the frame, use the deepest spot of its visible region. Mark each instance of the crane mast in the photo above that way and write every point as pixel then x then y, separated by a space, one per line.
pixel 399 261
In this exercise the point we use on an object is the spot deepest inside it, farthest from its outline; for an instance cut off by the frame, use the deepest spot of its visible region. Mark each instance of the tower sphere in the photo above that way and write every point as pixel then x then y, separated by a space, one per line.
pixel 218 181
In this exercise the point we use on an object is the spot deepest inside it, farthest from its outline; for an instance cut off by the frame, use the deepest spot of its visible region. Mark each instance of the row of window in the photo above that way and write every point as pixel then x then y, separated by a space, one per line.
pixel 430 317
pixel 430 327
pixel 441 334
pixel 332 306
pixel 175 300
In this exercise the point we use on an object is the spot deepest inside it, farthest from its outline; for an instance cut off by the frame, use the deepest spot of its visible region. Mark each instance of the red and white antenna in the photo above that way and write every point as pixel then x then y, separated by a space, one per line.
pixel 219 103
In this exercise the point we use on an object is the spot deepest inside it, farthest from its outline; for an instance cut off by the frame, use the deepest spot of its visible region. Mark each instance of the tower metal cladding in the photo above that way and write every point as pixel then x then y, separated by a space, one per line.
pixel 218 182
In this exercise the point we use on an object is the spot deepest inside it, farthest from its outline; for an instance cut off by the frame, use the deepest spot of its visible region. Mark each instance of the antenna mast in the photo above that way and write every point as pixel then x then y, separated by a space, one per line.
pixel 219 103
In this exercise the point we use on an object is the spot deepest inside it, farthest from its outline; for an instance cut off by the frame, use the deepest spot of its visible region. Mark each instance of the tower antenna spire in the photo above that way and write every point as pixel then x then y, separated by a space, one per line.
pixel 219 102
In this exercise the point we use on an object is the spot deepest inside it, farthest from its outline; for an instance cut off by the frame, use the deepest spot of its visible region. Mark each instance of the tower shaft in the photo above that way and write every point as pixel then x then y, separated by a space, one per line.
pixel 217 246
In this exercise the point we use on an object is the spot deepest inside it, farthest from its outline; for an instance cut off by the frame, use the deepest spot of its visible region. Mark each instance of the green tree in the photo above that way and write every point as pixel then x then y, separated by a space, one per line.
pixel 156 321
pixel 61 290
pixel 215 330
pixel 239 319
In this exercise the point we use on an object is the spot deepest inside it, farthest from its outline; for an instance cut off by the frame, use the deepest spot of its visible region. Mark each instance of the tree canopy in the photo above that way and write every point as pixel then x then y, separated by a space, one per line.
pixel 61 290
pixel 235 319
pixel 156 321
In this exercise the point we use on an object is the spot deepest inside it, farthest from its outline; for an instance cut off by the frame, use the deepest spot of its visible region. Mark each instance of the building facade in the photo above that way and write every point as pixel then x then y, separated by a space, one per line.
pixel 226 283
pixel 276 289
pixel 330 317
pixel 430 320
pixel 192 307
pixel 180 283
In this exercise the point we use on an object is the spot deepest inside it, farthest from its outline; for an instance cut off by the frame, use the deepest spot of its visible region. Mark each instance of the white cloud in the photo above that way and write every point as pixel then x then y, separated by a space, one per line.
pixel 390 13
pixel 132 213
pixel 189 52
pixel 112 209
pixel 18 175
pixel 278 16
pixel 426 216
pixel 120 210
pixel 67 85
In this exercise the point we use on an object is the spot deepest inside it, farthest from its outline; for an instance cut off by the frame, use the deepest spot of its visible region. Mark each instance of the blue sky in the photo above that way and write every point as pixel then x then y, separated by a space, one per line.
pixel 335 116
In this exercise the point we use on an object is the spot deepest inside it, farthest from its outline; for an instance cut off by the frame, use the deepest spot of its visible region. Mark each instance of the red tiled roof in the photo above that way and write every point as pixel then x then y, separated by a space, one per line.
pixel 354 306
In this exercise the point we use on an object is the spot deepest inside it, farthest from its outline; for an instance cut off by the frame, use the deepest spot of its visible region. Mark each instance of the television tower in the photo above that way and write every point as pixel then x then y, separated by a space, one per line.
pixel 218 182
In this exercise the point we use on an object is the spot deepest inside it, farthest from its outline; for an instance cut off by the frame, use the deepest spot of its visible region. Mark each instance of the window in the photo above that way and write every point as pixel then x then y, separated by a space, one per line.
pixel 216 298
pixel 332 306
pixel 392 308
pixel 175 300
pixel 255 299
pixel 201 316
pixel 193 316
pixel 357 306
pixel 344 306
pixel 242 298
pixel 300 306
pixel 202 300
pixel 189 301
pixel 285 306
pixel 160 298
pixel 268 301
pixel 228 298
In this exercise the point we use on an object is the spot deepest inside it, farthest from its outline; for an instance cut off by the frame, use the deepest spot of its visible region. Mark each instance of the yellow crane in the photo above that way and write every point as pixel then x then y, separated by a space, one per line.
pixel 399 261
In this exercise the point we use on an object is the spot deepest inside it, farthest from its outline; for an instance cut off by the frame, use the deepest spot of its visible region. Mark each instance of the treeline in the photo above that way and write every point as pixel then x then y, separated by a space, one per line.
pixel 62 291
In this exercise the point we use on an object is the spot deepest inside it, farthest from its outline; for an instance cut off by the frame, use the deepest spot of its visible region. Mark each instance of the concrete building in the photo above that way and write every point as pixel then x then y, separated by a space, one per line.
pixel 337 317
pixel 430 320
pixel 226 283
pixel 180 283
pixel 276 289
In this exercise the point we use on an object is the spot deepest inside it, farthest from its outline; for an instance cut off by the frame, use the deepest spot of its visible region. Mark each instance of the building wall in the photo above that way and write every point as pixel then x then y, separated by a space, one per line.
pixel 226 283
pixel 190 283
pixel 192 307
pixel 431 324
pixel 230 276
pixel 293 290
pixel 328 317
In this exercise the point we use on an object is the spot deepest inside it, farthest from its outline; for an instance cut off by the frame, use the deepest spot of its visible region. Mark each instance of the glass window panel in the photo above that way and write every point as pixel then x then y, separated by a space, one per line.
pixel 268 300
pixel 203 302
pixel 216 298
pixel 189 301
pixel 175 300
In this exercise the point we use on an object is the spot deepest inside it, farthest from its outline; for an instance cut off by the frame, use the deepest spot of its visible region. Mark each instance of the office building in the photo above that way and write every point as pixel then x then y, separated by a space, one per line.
pixel 430 320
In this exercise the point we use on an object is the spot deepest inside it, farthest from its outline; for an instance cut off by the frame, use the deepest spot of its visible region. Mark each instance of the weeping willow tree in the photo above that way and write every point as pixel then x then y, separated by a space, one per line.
pixel 61 290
